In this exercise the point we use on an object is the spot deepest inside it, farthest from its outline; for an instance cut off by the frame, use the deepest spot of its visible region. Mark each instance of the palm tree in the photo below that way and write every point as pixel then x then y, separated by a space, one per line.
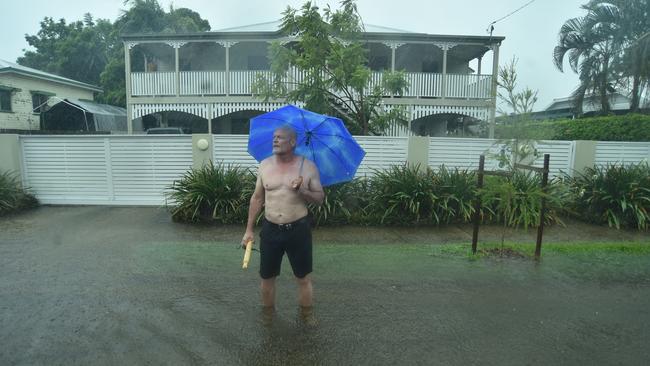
pixel 629 23
pixel 608 47
pixel 591 53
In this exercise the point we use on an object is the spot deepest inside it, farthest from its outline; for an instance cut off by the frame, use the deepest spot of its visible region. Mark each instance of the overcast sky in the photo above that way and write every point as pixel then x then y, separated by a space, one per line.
pixel 531 33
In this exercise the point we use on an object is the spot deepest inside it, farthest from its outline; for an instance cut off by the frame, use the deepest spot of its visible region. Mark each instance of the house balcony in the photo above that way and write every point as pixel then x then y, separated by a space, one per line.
pixel 238 83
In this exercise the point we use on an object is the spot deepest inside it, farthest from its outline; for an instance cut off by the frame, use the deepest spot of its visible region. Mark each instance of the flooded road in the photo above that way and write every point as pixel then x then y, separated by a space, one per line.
pixel 103 286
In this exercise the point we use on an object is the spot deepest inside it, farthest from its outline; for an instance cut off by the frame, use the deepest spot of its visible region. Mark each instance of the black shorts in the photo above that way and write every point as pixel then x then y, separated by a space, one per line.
pixel 292 238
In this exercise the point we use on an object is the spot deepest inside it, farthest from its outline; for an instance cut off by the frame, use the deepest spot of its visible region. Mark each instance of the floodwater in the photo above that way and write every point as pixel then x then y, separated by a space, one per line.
pixel 104 286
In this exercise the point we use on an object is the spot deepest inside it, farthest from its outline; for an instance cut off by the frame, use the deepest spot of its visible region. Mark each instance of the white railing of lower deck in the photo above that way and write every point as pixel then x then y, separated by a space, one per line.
pixel 153 83
pixel 420 84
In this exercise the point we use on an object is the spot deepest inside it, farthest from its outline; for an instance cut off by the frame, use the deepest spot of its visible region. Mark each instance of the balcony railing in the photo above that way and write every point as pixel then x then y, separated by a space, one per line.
pixel 421 85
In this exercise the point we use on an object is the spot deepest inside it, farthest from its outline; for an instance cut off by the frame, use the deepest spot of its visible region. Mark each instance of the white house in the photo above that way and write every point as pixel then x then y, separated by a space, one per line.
pixel 207 76
pixel 23 91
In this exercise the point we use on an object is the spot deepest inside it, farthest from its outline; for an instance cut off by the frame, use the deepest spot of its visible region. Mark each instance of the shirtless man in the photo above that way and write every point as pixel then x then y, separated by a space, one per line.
pixel 284 189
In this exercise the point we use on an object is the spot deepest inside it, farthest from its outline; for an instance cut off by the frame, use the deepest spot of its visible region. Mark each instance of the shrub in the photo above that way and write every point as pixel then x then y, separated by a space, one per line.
pixel 13 197
pixel 618 195
pixel 213 192
pixel 516 200
pixel 403 195
pixel 629 127
pixel 456 192
pixel 344 203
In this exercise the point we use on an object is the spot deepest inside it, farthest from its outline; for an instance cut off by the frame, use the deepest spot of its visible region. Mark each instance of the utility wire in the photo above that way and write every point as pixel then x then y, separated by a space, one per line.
pixel 490 27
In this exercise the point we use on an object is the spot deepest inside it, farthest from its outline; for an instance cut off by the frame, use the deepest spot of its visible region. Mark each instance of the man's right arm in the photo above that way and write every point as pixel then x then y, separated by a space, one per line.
pixel 254 209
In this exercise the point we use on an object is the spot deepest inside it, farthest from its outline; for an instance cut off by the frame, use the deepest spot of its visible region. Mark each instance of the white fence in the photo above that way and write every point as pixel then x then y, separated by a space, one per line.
pixel 464 153
pixel 129 170
pixel 137 170
pixel 381 151
pixel 609 152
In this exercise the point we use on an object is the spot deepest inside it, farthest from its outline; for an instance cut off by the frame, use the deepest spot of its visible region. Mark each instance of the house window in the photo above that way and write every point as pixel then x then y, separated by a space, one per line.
pixel 39 101
pixel 5 100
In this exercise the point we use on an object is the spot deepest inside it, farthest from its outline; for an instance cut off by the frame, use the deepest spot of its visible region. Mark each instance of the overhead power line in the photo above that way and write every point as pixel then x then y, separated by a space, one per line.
pixel 490 26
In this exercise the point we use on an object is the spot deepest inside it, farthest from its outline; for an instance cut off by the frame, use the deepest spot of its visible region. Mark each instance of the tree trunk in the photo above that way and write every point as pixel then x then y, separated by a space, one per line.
pixel 634 103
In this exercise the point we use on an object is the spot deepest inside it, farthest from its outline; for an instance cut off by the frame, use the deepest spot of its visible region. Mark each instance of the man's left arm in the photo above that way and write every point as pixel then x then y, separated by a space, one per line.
pixel 312 192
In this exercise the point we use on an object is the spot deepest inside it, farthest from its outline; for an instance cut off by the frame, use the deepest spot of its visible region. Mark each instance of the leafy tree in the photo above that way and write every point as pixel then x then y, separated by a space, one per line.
pixel 92 51
pixel 77 50
pixel 329 53
pixel 628 21
pixel 607 48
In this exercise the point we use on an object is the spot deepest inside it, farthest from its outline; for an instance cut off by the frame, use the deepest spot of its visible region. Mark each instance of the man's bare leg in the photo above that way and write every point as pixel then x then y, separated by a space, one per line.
pixel 305 292
pixel 268 292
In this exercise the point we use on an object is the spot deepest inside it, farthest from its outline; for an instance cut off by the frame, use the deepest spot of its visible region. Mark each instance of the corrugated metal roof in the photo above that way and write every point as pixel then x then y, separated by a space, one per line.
pixel 96 108
pixel 6 66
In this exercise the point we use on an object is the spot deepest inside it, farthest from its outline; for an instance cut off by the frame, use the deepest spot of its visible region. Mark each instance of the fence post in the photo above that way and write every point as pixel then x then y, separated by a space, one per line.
pixel 418 151
pixel 584 155
pixel 202 149
pixel 11 154
pixel 542 211
pixel 477 203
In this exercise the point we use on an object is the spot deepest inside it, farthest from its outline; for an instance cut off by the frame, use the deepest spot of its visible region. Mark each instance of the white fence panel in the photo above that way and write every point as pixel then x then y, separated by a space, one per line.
pixel 381 153
pixel 562 156
pixel 134 170
pixel 144 167
pixel 462 153
pixel 233 149
pixel 611 152
pixel 65 169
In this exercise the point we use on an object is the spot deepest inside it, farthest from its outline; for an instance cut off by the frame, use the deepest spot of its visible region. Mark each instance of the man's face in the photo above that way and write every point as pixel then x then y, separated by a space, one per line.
pixel 282 142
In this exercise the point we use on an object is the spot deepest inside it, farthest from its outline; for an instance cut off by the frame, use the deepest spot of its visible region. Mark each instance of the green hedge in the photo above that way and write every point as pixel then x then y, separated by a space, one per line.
pixel 630 127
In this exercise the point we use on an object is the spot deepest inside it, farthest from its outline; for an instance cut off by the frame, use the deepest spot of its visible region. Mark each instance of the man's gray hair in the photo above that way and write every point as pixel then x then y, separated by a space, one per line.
pixel 289 130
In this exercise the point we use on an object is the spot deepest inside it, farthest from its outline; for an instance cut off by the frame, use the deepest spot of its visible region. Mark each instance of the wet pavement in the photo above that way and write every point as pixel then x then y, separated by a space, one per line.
pixel 117 285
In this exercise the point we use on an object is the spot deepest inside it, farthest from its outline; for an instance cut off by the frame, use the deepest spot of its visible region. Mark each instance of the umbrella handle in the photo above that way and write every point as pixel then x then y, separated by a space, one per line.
pixel 247 254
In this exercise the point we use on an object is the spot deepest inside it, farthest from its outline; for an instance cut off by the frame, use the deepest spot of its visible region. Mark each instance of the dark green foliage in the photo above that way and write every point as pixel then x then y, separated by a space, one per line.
pixel 13 197
pixel 630 127
pixel 344 203
pixel 515 200
pixel 218 193
pixel 406 195
pixel 614 194
pixel 456 191
pixel 403 195
pixel 92 51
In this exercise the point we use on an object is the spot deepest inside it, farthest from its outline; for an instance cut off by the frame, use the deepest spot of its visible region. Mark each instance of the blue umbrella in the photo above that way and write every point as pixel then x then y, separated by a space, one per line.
pixel 320 138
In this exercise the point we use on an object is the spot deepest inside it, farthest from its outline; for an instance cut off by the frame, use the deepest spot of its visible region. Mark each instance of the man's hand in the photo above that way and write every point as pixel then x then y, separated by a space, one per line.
pixel 248 236
pixel 296 183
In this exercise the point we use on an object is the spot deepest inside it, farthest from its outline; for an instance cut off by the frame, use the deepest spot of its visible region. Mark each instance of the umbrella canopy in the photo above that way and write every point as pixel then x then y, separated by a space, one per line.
pixel 320 138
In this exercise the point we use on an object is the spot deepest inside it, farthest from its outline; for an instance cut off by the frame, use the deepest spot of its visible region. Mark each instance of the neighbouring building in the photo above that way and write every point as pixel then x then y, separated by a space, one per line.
pixel 25 92
pixel 205 78
pixel 563 107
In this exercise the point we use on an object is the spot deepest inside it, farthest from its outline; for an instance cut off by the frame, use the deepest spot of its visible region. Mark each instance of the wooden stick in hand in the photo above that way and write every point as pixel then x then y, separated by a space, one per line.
pixel 247 254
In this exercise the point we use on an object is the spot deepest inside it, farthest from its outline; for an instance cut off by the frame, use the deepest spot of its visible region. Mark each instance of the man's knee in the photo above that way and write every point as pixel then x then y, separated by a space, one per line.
pixel 304 281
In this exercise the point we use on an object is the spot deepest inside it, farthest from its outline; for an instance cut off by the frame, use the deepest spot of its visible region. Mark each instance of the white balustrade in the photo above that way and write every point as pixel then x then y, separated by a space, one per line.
pixel 153 83
pixel 203 82
pixel 420 84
